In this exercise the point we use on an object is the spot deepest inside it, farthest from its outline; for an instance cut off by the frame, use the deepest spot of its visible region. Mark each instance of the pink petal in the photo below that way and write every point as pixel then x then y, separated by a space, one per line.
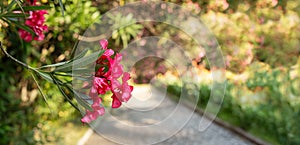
pixel 131 88
pixel 116 103
pixel 108 52
pixel 118 57
pixel 93 115
pixel 101 85
pixel 115 84
pixel 96 102
pixel 126 77
pixel 103 44
pixel 98 111
pixel 105 58
pixel 117 71
pixel 88 117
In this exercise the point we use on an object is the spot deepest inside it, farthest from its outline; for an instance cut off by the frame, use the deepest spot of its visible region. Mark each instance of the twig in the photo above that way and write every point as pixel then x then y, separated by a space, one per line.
pixel 16 60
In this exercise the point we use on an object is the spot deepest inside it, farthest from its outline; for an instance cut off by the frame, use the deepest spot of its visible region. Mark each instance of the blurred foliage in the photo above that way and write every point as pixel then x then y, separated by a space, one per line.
pixel 126 28
pixel 78 15
pixel 25 116
pixel 260 43
pixel 247 35
pixel 265 102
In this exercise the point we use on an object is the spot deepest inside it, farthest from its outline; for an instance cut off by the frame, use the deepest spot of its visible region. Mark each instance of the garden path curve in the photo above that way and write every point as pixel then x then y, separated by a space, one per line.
pixel 189 134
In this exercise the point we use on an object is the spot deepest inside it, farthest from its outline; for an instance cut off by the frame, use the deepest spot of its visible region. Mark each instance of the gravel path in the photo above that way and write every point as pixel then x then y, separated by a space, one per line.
pixel 155 119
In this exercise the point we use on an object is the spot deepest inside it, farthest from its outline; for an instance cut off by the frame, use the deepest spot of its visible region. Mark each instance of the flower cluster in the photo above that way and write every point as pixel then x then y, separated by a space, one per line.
pixel 36 21
pixel 106 79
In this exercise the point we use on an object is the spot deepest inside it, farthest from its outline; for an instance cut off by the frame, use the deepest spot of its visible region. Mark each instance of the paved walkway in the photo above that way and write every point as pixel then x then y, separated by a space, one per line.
pixel 151 118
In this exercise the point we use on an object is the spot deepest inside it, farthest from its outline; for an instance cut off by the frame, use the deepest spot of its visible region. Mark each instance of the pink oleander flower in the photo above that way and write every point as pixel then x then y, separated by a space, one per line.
pixel 105 79
pixel 121 92
pixel 103 43
pixel 93 115
pixel 97 110
pixel 105 59
pixel 101 85
pixel 25 35
pixel 116 68
pixel 36 18
pixel 36 21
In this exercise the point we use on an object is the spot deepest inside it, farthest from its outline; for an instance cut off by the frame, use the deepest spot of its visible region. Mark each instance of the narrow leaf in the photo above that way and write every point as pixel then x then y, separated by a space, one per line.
pixel 61 6
pixel 81 54
pixel 41 92
pixel 32 8
pixel 45 76
pixel 20 5
pixel 11 4
pixel 63 92
pixel 78 63
pixel 54 65
pixel 15 15
pixel 26 28
pixel 82 99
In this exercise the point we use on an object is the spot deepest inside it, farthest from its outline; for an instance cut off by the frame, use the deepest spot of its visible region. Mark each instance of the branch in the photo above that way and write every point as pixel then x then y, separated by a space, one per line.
pixel 16 60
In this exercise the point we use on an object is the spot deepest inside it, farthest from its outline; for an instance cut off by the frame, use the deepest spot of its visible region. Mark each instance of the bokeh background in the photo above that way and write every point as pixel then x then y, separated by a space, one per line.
pixel 260 41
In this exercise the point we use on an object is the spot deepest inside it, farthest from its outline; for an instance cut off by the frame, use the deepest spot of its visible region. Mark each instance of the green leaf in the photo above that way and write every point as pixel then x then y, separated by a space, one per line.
pixel 101 53
pixel 61 6
pixel 63 92
pixel 32 8
pixel 79 71
pixel 20 5
pixel 81 54
pixel 26 28
pixel 40 90
pixel 82 100
pixel 74 49
pixel 106 68
pixel 45 76
pixel 83 78
pixel 124 40
pixel 11 4
pixel 54 65
pixel 137 26
pixel 78 63
pixel 14 15
pixel 132 32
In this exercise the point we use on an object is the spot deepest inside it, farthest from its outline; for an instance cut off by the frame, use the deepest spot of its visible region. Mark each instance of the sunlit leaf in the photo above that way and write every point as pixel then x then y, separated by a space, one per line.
pixel 54 65
pixel 78 63
pixel 45 76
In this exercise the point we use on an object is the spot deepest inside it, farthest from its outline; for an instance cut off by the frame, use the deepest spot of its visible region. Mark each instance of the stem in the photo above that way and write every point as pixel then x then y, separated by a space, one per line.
pixel 16 60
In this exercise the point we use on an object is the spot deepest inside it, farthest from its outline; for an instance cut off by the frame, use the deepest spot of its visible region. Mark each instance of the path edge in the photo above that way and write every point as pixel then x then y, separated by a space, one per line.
pixel 236 130
pixel 85 137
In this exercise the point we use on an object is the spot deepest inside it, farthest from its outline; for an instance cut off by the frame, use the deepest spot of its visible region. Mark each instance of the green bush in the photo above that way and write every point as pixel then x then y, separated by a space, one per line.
pixel 25 116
